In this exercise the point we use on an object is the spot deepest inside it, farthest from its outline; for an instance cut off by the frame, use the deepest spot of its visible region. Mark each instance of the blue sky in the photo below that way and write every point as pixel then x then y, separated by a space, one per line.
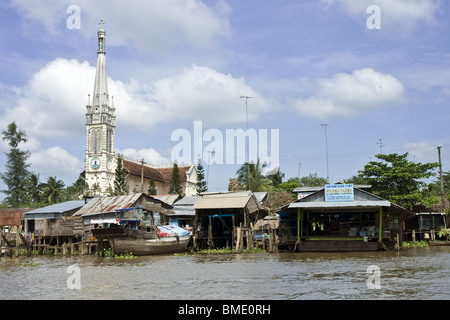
pixel 170 63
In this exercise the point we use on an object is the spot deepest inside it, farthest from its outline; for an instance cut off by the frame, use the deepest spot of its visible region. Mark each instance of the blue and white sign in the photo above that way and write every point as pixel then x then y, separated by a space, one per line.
pixel 339 192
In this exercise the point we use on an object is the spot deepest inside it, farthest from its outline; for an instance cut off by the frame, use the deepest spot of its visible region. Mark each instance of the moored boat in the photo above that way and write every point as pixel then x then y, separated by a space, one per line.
pixel 159 240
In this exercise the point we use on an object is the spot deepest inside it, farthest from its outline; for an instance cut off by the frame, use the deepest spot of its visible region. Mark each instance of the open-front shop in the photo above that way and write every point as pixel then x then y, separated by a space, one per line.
pixel 342 218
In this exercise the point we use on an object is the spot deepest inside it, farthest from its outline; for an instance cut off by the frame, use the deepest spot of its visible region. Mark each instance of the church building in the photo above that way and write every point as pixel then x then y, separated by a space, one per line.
pixel 100 158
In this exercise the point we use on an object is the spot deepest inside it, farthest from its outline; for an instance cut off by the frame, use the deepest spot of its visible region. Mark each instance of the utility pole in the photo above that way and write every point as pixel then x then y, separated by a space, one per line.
pixel 325 125
pixel 142 174
pixel 444 207
pixel 248 142
pixel 381 144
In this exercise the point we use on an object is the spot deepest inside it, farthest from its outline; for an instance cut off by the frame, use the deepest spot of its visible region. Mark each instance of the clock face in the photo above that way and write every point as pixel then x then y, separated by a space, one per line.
pixel 95 163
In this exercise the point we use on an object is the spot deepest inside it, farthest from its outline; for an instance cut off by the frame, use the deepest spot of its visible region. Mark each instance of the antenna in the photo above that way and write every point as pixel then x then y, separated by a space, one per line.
pixel 381 144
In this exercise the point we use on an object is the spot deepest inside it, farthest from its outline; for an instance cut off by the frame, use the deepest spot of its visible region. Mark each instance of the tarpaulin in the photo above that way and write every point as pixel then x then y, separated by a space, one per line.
pixel 172 231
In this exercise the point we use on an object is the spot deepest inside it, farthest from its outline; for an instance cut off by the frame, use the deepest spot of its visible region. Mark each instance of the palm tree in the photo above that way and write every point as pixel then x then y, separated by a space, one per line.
pixel 53 189
pixel 252 177
pixel 34 188
pixel 276 176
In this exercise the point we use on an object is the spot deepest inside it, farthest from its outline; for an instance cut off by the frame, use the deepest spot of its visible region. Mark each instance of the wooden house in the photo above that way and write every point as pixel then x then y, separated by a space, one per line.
pixel 217 217
pixel 137 210
pixel 55 220
pixel 11 227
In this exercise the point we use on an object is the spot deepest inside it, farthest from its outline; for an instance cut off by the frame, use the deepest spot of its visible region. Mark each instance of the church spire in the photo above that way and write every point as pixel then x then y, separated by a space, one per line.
pixel 101 97
pixel 100 128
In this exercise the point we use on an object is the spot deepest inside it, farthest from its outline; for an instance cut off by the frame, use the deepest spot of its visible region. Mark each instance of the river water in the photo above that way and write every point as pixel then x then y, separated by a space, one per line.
pixel 415 273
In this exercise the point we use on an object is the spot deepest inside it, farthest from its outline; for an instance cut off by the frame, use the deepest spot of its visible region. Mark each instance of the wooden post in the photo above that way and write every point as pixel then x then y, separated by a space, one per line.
pixel 252 236
pixel 1 241
pixel 414 235
pixel 233 228
pixel 380 226
pixel 238 240
pixel 17 240
pixel 210 238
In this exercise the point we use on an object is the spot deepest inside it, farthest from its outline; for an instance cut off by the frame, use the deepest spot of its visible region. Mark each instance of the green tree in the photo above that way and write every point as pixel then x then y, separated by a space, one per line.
pixel 120 183
pixel 52 190
pixel 17 172
pixel 34 189
pixel 399 180
pixel 77 190
pixel 201 183
pixel 152 188
pixel 276 177
pixel 358 179
pixel 312 180
pixel 251 175
pixel 280 198
pixel 175 181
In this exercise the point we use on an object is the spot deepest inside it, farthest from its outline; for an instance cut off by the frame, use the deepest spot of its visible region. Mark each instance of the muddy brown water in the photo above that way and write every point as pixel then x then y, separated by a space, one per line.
pixel 415 273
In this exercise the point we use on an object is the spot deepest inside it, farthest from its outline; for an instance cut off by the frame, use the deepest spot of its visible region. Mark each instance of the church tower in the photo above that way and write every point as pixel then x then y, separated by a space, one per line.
pixel 100 128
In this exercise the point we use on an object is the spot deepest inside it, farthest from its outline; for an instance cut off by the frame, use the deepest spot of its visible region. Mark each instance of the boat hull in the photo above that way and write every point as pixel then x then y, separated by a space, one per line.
pixel 140 246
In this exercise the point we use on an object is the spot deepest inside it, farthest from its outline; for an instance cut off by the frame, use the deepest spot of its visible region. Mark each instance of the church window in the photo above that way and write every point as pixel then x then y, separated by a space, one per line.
pixel 96 142
pixel 109 141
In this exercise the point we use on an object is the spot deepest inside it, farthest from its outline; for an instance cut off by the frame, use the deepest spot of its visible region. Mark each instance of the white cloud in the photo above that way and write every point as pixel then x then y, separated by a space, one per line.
pixel 150 156
pixel 347 94
pixel 399 15
pixel 56 161
pixel 53 99
pixel 51 107
pixel 201 93
pixel 149 25
pixel 53 102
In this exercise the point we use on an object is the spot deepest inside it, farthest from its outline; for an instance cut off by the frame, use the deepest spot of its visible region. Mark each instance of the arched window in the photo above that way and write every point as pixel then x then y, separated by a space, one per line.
pixel 93 139
pixel 99 141
pixel 96 141
pixel 109 141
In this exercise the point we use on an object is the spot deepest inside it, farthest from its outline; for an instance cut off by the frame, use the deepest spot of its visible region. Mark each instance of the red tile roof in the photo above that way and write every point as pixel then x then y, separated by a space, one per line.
pixel 157 174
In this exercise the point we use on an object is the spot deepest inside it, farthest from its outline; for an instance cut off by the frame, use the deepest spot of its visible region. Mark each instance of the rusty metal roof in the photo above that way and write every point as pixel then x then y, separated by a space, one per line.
pixel 108 204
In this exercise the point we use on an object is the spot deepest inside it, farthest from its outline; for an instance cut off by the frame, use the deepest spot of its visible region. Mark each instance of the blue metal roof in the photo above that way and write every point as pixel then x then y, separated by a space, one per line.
pixel 59 207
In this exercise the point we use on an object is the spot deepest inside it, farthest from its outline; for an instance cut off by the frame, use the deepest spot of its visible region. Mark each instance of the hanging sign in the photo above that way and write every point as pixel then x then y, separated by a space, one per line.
pixel 339 192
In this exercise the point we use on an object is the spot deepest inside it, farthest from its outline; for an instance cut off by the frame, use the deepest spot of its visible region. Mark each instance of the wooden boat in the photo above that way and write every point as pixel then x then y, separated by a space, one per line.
pixel 124 240
pixel 141 246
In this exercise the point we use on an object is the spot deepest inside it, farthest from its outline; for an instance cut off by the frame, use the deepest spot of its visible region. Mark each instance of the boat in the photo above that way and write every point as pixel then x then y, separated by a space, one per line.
pixel 156 240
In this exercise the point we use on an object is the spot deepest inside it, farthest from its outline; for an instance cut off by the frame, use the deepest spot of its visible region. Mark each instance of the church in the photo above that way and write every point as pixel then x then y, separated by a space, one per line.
pixel 100 158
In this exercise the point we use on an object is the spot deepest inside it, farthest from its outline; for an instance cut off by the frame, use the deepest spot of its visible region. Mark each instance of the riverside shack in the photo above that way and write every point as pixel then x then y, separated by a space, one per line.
pixel 136 210
pixel 220 218
pixel 55 220
pixel 342 217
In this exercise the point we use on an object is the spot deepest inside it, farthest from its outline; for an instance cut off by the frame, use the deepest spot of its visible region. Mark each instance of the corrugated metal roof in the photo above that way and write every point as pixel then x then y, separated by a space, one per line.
pixel 222 202
pixel 187 201
pixel 167 198
pixel 59 207
pixel 108 204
